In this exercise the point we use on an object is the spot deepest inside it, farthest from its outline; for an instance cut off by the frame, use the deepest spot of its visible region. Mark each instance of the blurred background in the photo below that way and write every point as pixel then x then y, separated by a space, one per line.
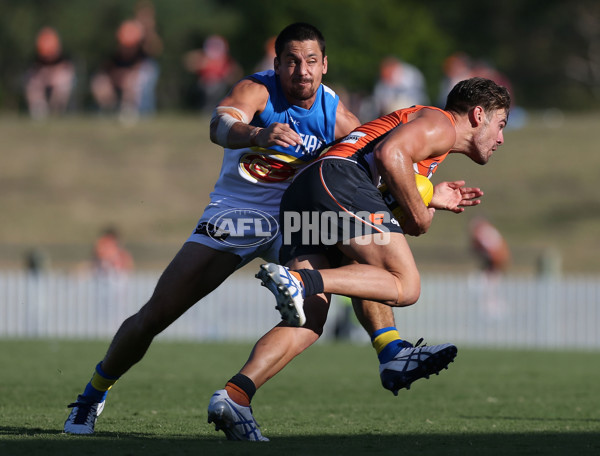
pixel 548 50
pixel 105 161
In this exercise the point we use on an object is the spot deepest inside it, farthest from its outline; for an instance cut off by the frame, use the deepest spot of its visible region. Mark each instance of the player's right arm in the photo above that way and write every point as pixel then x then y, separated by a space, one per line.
pixel 230 125
pixel 345 121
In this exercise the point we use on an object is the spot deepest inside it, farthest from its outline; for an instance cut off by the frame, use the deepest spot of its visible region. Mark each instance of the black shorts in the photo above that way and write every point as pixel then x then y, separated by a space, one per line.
pixel 331 202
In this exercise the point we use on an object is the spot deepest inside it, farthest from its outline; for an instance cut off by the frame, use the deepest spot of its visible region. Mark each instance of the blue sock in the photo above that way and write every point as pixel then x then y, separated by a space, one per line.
pixel 102 379
pixel 387 343
pixel 93 394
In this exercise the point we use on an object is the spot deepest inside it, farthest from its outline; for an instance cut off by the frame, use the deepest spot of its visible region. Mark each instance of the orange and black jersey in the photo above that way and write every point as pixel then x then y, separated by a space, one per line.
pixel 358 145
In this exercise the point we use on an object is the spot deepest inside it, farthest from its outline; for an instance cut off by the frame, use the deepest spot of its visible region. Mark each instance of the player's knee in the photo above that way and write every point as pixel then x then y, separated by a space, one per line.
pixel 145 324
pixel 409 290
pixel 316 308
pixel 153 318
pixel 411 297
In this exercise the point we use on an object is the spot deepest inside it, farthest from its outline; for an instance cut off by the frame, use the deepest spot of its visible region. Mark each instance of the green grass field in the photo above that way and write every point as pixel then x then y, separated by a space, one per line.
pixel 62 181
pixel 328 402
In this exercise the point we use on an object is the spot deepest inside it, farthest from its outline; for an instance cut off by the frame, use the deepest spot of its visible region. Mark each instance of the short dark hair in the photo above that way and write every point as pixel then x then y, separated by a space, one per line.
pixel 299 31
pixel 473 92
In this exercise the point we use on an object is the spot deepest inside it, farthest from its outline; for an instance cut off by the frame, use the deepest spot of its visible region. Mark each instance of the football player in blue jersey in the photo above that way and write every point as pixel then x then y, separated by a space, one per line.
pixel 270 124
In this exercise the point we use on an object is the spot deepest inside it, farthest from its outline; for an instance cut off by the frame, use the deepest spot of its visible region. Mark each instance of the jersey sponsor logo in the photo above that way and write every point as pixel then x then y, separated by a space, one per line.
pixel 310 144
pixel 271 168
pixel 241 227
pixel 353 137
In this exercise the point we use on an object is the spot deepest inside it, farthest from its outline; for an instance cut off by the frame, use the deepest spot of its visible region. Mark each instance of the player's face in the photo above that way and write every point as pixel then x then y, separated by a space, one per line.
pixel 489 136
pixel 301 68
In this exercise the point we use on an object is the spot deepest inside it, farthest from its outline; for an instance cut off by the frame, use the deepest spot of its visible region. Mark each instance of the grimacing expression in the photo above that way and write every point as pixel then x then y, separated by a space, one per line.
pixel 300 68
pixel 490 136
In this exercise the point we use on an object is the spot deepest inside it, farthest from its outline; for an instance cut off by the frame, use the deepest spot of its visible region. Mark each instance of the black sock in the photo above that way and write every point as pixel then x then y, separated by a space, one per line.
pixel 312 280
pixel 245 384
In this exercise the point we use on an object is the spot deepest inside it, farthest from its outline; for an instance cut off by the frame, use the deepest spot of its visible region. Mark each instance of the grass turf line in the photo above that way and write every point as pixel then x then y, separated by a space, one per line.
pixel 329 401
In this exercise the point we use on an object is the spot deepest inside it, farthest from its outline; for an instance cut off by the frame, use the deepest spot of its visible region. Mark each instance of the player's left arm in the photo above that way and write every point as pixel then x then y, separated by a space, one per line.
pixel 230 125
pixel 454 196
pixel 345 121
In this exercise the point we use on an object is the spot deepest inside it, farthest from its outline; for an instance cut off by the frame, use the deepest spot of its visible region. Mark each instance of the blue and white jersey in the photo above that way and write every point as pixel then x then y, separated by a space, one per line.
pixel 254 177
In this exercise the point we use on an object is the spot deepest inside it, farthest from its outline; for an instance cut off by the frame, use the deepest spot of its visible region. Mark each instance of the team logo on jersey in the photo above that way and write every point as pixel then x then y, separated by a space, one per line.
pixel 431 169
pixel 270 168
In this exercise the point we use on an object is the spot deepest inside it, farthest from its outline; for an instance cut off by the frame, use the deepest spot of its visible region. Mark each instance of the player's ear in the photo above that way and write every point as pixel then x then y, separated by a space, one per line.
pixel 325 65
pixel 476 116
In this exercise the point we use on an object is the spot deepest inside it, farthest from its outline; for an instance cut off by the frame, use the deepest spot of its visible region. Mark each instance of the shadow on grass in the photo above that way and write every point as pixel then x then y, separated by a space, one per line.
pixel 544 419
pixel 35 441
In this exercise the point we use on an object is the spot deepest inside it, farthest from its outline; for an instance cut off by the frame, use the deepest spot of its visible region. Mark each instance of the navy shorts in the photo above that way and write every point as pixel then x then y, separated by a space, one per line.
pixel 331 202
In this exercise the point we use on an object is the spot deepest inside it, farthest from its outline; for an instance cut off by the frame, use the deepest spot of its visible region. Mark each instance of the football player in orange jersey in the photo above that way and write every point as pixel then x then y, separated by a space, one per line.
pixel 364 253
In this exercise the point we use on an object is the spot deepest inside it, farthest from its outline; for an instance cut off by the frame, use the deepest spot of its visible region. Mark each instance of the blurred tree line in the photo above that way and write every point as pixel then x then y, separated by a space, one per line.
pixel 548 49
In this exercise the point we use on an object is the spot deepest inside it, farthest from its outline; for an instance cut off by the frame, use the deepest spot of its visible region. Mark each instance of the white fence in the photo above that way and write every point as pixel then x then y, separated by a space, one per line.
pixel 469 310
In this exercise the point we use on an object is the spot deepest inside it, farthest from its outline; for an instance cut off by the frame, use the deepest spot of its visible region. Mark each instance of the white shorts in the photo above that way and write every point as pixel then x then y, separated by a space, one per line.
pixel 249 233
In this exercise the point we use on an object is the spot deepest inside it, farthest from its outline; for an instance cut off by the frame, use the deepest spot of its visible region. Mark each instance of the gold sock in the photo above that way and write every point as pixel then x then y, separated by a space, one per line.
pixel 381 341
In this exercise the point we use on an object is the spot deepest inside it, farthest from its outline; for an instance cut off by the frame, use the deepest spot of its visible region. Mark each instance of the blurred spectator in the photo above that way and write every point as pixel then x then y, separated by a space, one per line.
pixel 216 71
pixel 36 261
pixel 345 322
pixel 400 85
pixel 492 250
pixel 127 81
pixel 489 246
pixel 482 68
pixel 266 63
pixel 109 255
pixel 485 69
pixel 460 66
pixel 152 46
pixel 50 81
pixel 456 67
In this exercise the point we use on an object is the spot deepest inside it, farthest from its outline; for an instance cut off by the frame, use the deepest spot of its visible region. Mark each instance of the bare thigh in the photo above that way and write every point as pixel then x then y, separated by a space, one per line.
pixel 195 271
pixel 394 256
pixel 383 272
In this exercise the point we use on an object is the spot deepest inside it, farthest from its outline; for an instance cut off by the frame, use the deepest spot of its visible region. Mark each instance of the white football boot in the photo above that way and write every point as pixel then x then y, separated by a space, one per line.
pixel 82 418
pixel 236 421
pixel 288 291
